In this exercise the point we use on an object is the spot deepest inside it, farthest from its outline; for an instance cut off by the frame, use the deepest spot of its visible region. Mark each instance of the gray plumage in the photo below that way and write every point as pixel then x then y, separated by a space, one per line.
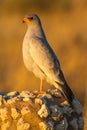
pixel 39 57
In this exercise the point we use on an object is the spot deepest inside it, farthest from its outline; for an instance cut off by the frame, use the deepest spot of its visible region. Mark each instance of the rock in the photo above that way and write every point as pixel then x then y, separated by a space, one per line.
pixel 59 127
pixel 74 124
pixel 12 100
pixel 15 113
pixel 56 113
pixel 43 98
pixel 65 123
pixel 38 101
pixel 43 126
pixel 13 94
pixel 26 99
pixel 27 94
pixel 4 114
pixel 80 123
pixel 54 92
pixel 25 110
pixel 46 125
pixel 65 103
pixel 44 111
pixel 48 96
pixel 3 93
pixel 62 125
pixel 67 110
pixel 31 110
pixel 6 125
pixel 22 125
pixel 77 106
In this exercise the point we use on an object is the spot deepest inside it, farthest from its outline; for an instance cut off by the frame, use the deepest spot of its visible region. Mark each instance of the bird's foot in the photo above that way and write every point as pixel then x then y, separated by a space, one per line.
pixel 41 89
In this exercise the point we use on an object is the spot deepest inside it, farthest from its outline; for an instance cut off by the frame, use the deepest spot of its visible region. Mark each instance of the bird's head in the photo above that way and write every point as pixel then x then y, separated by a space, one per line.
pixel 31 19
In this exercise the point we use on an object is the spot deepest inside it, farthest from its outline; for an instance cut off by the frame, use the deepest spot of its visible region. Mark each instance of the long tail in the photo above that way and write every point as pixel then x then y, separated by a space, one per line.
pixel 67 92
pixel 65 89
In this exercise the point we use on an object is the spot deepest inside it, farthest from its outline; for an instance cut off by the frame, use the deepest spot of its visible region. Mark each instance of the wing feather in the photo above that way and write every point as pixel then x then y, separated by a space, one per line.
pixel 45 58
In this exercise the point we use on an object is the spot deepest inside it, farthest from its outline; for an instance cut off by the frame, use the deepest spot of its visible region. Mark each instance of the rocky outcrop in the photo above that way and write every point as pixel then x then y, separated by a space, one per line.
pixel 33 111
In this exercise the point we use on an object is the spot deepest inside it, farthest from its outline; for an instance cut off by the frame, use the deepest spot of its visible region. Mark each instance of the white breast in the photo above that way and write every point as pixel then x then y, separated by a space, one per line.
pixel 29 62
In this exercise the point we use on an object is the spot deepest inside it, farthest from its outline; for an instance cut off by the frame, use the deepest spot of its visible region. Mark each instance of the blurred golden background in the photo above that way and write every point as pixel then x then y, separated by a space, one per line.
pixel 65 25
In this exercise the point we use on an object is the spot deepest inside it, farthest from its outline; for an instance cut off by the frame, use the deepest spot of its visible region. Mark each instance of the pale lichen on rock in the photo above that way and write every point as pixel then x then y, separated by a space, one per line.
pixel 4 113
pixel 44 111
pixel 48 111
pixel 6 125
pixel 46 125
pixel 15 113
pixel 25 110
pixel 22 125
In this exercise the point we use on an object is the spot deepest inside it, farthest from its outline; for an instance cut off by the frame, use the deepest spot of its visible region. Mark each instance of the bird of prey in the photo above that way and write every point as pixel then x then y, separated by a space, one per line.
pixel 40 58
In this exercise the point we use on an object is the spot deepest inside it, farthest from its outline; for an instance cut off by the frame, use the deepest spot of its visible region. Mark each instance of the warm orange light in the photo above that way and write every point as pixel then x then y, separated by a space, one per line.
pixel 26 20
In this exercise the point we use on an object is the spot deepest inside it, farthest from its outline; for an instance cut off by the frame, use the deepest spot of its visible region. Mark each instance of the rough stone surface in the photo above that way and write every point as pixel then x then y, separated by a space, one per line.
pixel 6 125
pixel 15 113
pixel 77 106
pixel 44 111
pixel 46 125
pixel 4 114
pixel 22 125
pixel 74 124
pixel 31 110
pixel 25 110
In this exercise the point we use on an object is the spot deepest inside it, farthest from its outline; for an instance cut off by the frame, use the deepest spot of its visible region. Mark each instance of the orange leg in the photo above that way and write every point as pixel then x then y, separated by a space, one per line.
pixel 41 89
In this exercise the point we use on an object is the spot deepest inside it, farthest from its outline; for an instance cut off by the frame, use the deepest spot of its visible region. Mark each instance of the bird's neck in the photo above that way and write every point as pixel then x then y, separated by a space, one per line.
pixel 35 31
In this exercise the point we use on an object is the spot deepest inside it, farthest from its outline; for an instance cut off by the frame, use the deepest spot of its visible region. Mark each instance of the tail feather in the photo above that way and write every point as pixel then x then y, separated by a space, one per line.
pixel 64 88
pixel 67 92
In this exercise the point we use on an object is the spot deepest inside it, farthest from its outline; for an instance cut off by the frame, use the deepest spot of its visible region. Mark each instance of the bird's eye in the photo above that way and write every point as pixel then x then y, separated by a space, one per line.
pixel 31 18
